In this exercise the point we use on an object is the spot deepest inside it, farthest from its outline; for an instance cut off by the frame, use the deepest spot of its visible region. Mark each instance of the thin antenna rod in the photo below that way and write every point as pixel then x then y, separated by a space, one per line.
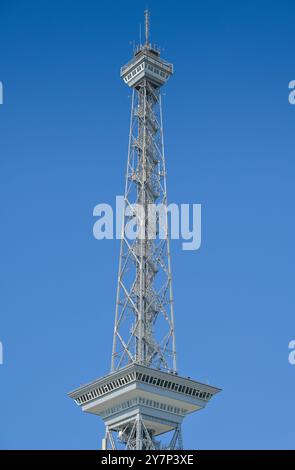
pixel 147 27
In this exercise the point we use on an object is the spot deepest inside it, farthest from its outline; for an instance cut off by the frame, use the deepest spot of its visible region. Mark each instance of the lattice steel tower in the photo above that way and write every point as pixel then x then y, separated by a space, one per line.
pixel 143 396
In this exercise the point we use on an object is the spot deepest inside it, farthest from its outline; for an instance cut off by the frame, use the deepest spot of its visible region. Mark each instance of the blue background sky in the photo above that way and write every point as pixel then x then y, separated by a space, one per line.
pixel 229 134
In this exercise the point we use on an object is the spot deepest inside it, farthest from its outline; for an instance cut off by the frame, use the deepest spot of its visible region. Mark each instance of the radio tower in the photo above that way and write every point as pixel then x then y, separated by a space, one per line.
pixel 143 396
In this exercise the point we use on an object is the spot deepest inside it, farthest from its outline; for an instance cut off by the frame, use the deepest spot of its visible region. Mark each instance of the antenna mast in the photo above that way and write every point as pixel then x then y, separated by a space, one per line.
pixel 147 28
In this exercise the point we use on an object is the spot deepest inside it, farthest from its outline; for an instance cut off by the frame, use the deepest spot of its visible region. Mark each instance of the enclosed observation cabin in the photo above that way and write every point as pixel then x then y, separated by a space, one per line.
pixel 146 64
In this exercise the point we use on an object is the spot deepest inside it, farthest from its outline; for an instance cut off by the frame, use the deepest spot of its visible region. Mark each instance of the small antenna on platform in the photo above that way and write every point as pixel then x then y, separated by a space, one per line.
pixel 147 27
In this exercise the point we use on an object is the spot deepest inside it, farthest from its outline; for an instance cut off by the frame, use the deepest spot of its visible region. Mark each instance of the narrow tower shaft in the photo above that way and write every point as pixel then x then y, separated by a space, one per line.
pixel 144 322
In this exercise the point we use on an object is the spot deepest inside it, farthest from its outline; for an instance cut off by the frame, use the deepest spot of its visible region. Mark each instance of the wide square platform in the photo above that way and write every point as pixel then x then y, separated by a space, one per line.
pixel 162 398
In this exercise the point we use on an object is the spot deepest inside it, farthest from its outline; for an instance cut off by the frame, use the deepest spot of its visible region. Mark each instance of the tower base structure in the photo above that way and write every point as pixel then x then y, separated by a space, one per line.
pixel 138 404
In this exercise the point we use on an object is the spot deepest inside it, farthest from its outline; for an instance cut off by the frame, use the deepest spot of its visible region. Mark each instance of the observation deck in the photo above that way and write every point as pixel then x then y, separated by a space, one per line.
pixel 162 398
pixel 146 64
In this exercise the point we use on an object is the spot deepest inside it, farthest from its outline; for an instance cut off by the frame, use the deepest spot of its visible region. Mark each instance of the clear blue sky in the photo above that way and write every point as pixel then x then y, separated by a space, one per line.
pixel 229 133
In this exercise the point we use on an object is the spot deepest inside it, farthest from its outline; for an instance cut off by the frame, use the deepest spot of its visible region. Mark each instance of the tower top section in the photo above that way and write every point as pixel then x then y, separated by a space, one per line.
pixel 146 64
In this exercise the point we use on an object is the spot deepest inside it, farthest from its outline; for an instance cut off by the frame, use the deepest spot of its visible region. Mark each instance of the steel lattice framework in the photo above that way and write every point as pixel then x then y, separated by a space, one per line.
pixel 144 321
